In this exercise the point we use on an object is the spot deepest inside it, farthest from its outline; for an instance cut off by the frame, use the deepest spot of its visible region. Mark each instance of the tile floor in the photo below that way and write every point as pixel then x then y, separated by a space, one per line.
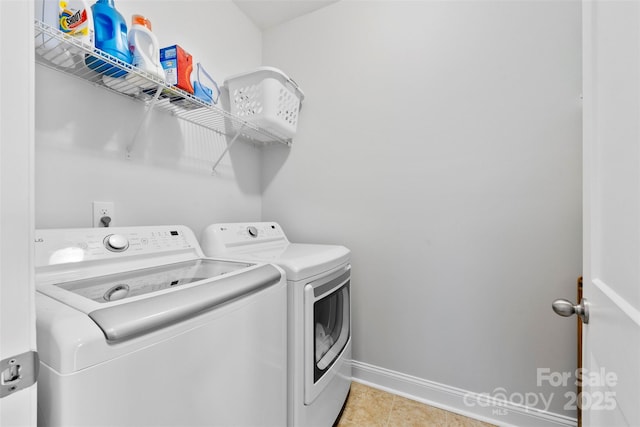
pixel 370 407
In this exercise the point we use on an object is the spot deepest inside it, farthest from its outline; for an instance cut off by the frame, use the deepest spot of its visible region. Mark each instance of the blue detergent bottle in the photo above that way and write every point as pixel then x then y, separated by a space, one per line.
pixel 110 37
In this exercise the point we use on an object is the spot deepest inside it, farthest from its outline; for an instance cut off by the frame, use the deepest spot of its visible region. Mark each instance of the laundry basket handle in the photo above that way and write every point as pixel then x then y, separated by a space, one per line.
pixel 296 88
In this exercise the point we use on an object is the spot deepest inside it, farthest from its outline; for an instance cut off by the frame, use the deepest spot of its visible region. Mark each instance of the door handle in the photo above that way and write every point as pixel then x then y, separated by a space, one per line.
pixel 565 308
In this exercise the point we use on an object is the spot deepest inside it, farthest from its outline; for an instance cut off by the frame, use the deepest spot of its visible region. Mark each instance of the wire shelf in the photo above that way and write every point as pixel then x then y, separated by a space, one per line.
pixel 68 55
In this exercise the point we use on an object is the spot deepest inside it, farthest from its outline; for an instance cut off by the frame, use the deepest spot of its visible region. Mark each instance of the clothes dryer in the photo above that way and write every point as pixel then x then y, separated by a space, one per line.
pixel 319 305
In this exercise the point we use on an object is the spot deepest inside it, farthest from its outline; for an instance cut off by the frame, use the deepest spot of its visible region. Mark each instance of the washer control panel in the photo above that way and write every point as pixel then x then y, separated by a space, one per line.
pixel 59 246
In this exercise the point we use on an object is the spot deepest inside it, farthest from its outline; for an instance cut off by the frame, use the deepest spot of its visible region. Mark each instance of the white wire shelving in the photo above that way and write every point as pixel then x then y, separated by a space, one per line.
pixel 68 55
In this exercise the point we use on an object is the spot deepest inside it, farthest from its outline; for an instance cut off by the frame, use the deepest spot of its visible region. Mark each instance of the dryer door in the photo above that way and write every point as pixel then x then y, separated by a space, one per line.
pixel 327 329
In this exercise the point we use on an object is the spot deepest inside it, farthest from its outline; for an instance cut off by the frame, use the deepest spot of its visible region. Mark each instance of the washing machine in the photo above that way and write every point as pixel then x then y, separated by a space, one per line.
pixel 319 325
pixel 136 327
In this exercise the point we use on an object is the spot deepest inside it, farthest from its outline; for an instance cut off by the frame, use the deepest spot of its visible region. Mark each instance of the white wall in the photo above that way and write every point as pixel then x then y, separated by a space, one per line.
pixel 82 133
pixel 17 291
pixel 441 142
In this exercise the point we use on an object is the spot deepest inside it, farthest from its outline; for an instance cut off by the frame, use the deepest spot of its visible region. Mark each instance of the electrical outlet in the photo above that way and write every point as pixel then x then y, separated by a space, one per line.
pixel 103 214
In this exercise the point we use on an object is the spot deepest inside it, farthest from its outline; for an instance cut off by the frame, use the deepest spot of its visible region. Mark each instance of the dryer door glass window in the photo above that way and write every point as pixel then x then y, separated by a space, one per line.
pixel 331 328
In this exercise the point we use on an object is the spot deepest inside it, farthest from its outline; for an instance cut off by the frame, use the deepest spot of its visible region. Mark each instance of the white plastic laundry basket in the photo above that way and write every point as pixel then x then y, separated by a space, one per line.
pixel 268 98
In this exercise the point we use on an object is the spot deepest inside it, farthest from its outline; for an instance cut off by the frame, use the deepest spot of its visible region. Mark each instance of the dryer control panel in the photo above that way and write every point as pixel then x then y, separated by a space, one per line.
pixel 221 239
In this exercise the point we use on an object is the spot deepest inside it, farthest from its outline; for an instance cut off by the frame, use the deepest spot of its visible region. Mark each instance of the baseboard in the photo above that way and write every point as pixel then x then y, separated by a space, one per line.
pixel 463 402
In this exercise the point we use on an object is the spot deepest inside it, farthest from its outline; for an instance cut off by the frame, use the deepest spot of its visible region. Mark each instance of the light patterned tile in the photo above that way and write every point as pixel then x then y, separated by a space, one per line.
pixel 347 423
pixel 409 413
pixel 366 406
pixel 358 388
pixel 355 402
pixel 370 407
pixel 456 420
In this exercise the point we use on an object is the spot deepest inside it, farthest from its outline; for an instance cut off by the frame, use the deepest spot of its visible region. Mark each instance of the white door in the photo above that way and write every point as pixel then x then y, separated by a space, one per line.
pixel 611 75
pixel 17 312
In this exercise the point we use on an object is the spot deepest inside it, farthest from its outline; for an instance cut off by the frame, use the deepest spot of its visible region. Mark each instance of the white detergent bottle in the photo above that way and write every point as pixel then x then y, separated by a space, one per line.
pixel 145 49
pixel 74 20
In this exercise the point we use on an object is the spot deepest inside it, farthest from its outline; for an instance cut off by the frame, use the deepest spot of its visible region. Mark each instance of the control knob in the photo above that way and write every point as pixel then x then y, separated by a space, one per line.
pixel 116 243
pixel 253 232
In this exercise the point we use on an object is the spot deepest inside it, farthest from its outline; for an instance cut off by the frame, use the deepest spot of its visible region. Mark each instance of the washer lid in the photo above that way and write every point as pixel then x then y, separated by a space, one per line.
pixel 125 305
pixel 300 260
pixel 131 284
pixel 124 321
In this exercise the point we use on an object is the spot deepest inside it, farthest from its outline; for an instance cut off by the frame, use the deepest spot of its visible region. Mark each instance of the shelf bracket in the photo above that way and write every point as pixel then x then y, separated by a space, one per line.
pixel 144 119
pixel 233 140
